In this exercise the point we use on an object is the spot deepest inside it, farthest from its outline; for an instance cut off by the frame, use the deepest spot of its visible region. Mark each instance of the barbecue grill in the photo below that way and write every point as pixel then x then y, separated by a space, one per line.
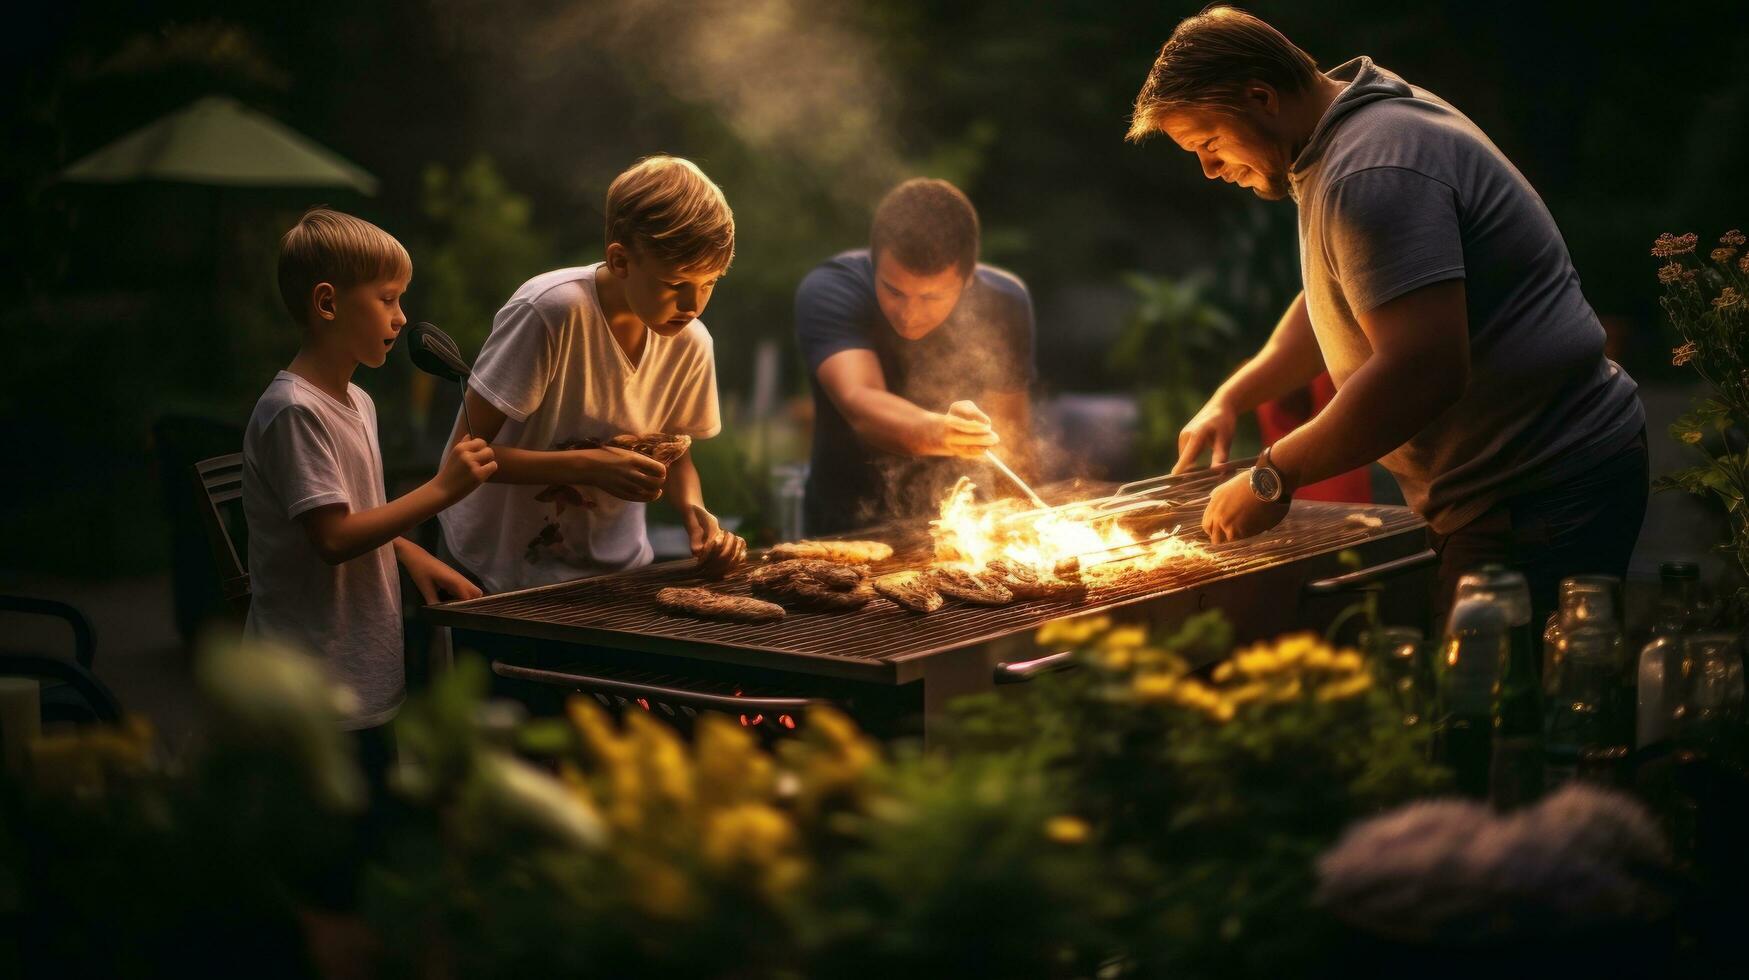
pixel 895 670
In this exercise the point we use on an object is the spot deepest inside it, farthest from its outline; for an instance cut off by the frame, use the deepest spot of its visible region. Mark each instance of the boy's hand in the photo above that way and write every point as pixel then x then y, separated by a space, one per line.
pixel 717 550
pixel 964 430
pixel 435 580
pixel 625 474
pixel 469 464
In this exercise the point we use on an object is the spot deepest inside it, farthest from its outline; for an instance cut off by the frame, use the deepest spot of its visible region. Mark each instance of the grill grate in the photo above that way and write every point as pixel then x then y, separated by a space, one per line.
pixel 881 633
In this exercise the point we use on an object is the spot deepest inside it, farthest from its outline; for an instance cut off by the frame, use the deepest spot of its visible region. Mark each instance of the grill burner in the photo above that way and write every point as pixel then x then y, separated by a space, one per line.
pixel 602 627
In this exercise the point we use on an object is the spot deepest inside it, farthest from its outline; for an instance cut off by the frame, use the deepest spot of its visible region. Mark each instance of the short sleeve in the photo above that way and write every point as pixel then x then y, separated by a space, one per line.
pixel 516 363
pixel 1019 368
pixel 297 458
pixel 1389 231
pixel 831 315
pixel 696 413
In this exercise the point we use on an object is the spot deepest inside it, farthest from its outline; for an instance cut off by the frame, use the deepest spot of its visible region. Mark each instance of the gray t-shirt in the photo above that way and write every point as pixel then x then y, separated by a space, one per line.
pixel 1398 190
pixel 304 450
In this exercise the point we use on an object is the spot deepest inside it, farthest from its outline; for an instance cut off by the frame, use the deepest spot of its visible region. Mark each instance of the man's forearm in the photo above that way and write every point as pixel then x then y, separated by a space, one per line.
pixel 888 422
pixel 1288 361
pixel 1381 407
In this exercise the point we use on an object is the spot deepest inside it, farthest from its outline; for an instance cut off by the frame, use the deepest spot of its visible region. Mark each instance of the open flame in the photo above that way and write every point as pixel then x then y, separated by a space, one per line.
pixel 972 534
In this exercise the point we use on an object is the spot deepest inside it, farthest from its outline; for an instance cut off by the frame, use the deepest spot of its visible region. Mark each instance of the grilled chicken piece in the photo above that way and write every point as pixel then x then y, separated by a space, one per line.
pixel 830 574
pixel 809 595
pixel 911 590
pixel 813 585
pixel 1026 583
pixel 659 446
pixel 979 590
pixel 714 605
pixel 845 552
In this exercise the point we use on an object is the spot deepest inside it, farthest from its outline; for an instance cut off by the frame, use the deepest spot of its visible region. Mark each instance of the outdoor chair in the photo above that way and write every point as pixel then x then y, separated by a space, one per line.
pixel 71 692
pixel 219 482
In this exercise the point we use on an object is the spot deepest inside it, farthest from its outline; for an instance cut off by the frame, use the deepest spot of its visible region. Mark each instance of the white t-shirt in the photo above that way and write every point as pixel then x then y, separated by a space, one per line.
pixel 553 368
pixel 304 450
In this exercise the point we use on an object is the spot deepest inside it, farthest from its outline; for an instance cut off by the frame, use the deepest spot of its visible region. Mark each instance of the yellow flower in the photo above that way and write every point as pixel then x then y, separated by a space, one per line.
pixel 1065 829
pixel 1692 437
pixel 1224 672
pixel 1072 632
pixel 1345 688
pixel 1349 661
pixel 731 767
pixel 1247 693
pixel 1116 659
pixel 1724 255
pixel 1727 299
pixel 1124 638
pixel 1669 272
pixel 1153 687
pixel 1732 237
pixel 1668 245
pixel 748 835
pixel 1743 263
pixel 1257 662
pixel 666 765
pixel 1682 355
pixel 1294 647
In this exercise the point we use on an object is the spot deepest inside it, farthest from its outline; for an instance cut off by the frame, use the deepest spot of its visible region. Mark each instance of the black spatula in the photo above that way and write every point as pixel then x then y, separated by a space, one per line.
pixel 436 354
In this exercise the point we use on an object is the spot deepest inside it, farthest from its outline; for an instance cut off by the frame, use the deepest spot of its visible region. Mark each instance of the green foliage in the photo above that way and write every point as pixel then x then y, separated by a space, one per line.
pixel 1176 347
pixel 1124 819
pixel 1707 302
pixel 481 246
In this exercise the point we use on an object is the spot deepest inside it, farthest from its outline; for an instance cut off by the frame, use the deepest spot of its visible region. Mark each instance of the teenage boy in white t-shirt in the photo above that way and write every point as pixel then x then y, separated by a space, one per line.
pixel 322 540
pixel 578 356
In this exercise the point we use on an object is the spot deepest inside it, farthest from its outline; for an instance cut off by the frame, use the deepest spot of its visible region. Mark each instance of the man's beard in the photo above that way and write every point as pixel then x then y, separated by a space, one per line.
pixel 1275 186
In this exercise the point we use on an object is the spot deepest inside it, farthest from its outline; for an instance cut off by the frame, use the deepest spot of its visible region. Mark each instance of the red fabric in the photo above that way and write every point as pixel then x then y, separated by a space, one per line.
pixel 1278 418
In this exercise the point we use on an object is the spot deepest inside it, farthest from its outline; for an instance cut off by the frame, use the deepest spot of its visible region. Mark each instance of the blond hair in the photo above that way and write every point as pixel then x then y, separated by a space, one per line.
pixel 1208 61
pixel 338 249
pixel 665 208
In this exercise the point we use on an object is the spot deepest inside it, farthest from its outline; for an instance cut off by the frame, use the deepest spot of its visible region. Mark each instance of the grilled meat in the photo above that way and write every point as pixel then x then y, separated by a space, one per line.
pixel 812 584
pixel 714 605
pixel 979 590
pixel 1026 583
pixel 911 590
pixel 659 446
pixel 829 574
pixel 845 552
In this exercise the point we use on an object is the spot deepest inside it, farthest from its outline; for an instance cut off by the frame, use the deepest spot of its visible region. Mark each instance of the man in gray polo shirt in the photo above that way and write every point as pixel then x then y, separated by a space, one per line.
pixel 1439 295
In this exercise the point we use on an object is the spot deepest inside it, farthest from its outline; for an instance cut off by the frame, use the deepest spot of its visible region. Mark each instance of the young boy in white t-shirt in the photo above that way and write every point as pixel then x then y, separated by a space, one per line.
pixel 322 541
pixel 578 356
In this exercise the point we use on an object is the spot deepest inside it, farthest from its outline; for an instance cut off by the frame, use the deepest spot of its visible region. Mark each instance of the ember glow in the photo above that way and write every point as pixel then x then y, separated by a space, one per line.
pixel 972 534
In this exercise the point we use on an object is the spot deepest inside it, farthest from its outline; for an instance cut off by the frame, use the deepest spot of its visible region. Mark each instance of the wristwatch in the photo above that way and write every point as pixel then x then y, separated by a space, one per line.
pixel 1266 480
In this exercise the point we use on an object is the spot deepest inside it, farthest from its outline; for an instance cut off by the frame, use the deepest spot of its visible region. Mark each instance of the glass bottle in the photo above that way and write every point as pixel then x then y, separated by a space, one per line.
pixel 1584 598
pixel 1475 648
pixel 1656 690
pixel 1709 691
pixel 1587 714
pixel 1398 660
pixel 1515 773
pixel 1679 608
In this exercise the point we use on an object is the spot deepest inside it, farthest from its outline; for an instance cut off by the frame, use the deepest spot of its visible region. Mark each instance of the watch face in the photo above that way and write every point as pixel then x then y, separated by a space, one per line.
pixel 1265 483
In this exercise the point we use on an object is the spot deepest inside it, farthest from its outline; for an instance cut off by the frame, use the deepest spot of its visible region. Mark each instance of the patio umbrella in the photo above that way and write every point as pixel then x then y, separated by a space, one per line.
pixel 217 141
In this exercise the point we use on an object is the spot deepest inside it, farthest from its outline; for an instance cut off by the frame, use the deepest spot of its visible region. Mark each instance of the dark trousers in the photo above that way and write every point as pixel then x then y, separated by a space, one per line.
pixel 1584 526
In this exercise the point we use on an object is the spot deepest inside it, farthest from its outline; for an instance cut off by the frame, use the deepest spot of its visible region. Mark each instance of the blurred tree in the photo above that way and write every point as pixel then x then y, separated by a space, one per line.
pixel 1177 345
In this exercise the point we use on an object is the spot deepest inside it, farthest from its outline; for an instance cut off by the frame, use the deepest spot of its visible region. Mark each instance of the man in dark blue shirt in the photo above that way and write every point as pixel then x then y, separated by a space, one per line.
pixel 904 341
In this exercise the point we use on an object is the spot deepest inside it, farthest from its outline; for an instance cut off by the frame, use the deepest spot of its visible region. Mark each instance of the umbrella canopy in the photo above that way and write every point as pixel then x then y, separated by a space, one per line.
pixel 218 141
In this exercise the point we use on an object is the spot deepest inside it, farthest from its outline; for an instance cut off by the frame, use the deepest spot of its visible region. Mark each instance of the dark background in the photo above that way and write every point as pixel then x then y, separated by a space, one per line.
pixel 494 128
